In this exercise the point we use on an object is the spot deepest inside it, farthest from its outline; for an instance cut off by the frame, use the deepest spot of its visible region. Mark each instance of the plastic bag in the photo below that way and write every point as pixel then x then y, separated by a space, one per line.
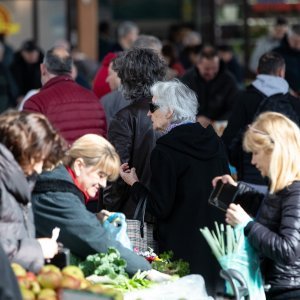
pixel 246 261
pixel 191 287
pixel 116 225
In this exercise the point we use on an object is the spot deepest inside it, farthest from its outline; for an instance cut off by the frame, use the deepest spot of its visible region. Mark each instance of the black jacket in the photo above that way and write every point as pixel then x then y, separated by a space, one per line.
pixel 132 135
pixel 17 231
pixel 292 64
pixel 275 234
pixel 246 104
pixel 54 204
pixel 183 164
pixel 27 76
pixel 215 97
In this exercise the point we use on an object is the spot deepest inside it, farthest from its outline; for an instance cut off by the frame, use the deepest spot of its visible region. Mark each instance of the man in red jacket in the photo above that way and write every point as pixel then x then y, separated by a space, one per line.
pixel 72 109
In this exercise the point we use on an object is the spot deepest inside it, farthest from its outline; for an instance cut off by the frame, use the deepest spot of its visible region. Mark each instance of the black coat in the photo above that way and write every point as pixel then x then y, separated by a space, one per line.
pixel 132 135
pixel 246 104
pixel 27 76
pixel 183 164
pixel 292 64
pixel 215 97
pixel 275 234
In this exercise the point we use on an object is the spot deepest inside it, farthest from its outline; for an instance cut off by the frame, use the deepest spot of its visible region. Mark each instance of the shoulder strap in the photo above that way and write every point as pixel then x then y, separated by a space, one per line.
pixel 57 185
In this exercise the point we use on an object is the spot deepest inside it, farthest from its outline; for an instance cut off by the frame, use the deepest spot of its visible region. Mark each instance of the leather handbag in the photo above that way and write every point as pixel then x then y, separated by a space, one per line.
pixel 140 232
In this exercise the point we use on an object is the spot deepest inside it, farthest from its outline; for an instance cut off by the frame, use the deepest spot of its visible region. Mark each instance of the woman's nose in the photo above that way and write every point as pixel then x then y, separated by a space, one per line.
pixel 149 113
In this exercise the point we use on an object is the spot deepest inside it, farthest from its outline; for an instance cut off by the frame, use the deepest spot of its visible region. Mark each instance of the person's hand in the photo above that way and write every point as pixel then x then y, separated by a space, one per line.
pixel 225 179
pixel 235 215
pixel 128 175
pixel 204 121
pixel 103 215
pixel 157 276
pixel 49 247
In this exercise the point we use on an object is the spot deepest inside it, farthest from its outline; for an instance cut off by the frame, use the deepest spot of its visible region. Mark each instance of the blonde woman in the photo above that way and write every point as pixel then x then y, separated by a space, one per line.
pixel 59 200
pixel 274 141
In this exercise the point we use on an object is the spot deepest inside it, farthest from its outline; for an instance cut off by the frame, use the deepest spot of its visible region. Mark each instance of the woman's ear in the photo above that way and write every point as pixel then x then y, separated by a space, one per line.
pixel 77 166
pixel 169 114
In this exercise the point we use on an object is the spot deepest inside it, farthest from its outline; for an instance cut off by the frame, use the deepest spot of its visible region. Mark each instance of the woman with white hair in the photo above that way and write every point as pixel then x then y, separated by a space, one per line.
pixel 183 163
pixel 274 141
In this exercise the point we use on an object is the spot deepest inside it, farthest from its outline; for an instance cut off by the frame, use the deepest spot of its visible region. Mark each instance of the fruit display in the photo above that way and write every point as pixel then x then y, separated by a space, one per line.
pixel 49 283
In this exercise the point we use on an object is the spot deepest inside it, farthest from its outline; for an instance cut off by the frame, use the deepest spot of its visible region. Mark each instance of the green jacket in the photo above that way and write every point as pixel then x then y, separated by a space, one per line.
pixel 81 231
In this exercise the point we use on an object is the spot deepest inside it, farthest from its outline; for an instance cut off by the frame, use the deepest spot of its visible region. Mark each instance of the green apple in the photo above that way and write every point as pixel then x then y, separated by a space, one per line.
pixel 18 269
pixel 47 294
pixel 27 294
pixel 47 268
pixel 50 279
pixel 73 271
pixel 70 282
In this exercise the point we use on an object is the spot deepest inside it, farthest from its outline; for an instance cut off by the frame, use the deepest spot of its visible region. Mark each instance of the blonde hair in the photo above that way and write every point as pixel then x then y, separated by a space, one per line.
pixel 97 152
pixel 279 137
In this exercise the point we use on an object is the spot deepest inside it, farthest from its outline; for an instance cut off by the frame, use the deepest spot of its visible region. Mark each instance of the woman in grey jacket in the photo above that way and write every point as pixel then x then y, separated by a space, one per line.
pixel 274 142
pixel 27 142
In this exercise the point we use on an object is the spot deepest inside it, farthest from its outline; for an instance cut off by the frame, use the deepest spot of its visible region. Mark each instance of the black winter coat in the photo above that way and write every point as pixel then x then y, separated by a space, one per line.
pixel 27 76
pixel 292 64
pixel 246 104
pixel 132 135
pixel 215 97
pixel 183 164
pixel 275 234
pixel 17 231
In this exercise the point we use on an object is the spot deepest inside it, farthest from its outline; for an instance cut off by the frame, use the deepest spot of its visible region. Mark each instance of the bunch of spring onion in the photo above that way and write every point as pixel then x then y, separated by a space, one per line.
pixel 223 241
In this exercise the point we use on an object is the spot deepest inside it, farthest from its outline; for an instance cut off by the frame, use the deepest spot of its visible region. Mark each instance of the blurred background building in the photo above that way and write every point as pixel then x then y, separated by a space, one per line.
pixel 89 24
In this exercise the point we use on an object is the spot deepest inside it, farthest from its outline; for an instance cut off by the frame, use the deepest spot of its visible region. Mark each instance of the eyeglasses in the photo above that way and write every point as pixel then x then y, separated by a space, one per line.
pixel 153 107
pixel 261 132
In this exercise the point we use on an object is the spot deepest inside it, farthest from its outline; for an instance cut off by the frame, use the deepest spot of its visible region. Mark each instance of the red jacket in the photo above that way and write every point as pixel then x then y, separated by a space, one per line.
pixel 100 86
pixel 72 109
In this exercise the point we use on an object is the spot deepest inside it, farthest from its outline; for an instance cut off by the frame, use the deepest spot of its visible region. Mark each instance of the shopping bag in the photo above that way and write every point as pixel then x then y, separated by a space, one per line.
pixel 116 226
pixel 235 252
pixel 140 232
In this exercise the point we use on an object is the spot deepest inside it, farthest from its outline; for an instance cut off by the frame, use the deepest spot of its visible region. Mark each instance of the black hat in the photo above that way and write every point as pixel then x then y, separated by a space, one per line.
pixel 30 46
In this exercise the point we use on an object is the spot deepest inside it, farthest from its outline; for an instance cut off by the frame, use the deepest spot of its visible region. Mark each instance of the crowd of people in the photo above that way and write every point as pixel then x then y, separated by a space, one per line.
pixel 145 127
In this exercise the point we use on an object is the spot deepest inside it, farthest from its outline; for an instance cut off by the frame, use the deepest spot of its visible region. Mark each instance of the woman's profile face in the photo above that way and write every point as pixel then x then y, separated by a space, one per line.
pixel 90 180
pixel 261 160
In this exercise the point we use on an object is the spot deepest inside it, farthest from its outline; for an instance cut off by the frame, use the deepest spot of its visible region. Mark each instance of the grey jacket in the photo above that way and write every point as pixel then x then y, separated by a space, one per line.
pixel 17 231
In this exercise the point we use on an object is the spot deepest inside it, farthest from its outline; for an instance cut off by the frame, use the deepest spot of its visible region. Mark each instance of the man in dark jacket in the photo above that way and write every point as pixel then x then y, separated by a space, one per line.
pixel 214 86
pixel 26 68
pixel 269 81
pixel 72 109
pixel 130 130
pixel 290 50
pixel 183 163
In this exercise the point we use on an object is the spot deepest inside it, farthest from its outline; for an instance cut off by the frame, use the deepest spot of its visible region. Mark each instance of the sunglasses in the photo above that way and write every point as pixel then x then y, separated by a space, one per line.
pixel 153 107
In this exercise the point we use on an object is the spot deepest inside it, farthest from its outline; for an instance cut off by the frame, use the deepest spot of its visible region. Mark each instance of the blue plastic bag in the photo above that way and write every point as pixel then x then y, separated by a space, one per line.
pixel 116 226
pixel 246 261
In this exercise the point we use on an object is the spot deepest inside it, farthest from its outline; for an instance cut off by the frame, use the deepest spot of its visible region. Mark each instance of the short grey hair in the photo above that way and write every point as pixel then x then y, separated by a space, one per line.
pixel 148 42
pixel 176 96
pixel 125 28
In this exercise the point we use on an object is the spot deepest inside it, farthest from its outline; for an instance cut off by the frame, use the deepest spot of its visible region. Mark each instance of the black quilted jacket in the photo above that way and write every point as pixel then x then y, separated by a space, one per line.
pixel 275 234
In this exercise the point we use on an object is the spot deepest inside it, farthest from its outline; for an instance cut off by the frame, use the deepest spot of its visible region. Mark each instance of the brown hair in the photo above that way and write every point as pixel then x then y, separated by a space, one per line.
pixel 31 138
